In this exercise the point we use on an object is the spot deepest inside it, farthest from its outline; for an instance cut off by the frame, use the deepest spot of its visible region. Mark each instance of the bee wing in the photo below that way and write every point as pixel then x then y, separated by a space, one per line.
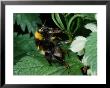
pixel 57 54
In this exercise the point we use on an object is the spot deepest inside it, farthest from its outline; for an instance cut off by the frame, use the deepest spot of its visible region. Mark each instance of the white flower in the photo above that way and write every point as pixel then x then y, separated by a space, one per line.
pixel 78 45
pixel 91 26
pixel 81 52
pixel 84 60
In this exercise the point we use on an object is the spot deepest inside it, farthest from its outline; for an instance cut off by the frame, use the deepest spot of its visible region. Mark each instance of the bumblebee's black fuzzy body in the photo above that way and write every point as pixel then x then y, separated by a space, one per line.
pixel 48 40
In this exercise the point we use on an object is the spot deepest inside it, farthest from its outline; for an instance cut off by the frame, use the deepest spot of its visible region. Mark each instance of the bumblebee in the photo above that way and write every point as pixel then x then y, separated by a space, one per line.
pixel 47 39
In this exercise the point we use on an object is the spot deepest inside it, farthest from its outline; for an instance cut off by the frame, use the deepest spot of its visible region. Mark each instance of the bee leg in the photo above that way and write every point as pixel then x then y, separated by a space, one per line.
pixel 49 61
pixel 48 58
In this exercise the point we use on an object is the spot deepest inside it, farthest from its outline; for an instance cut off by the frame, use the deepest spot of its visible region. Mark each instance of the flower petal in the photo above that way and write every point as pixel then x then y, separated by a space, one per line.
pixel 81 52
pixel 91 26
pixel 78 44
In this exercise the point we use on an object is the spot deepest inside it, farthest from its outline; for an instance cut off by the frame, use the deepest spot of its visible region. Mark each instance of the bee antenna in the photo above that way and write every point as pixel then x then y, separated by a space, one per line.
pixel 44 23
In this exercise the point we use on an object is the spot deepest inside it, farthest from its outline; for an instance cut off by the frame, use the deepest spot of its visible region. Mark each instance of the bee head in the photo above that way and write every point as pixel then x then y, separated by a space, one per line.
pixel 44 29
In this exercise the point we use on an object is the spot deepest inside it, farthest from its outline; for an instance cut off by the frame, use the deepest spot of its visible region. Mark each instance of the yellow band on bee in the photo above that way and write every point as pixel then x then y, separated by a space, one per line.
pixel 38 36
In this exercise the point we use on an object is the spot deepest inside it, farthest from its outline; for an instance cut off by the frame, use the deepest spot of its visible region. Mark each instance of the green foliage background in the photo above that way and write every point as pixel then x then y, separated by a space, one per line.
pixel 90 56
pixel 29 20
pixel 29 61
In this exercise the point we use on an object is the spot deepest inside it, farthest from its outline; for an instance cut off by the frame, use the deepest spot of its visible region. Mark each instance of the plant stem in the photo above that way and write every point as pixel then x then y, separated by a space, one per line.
pixel 69 35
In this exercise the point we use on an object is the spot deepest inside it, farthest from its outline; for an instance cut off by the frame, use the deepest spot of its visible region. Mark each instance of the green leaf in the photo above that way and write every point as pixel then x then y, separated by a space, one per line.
pixel 23 44
pixel 77 23
pixel 55 21
pixel 31 20
pixel 29 61
pixel 36 64
pixel 90 57
pixel 68 17
pixel 71 22
pixel 59 20
pixel 89 16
